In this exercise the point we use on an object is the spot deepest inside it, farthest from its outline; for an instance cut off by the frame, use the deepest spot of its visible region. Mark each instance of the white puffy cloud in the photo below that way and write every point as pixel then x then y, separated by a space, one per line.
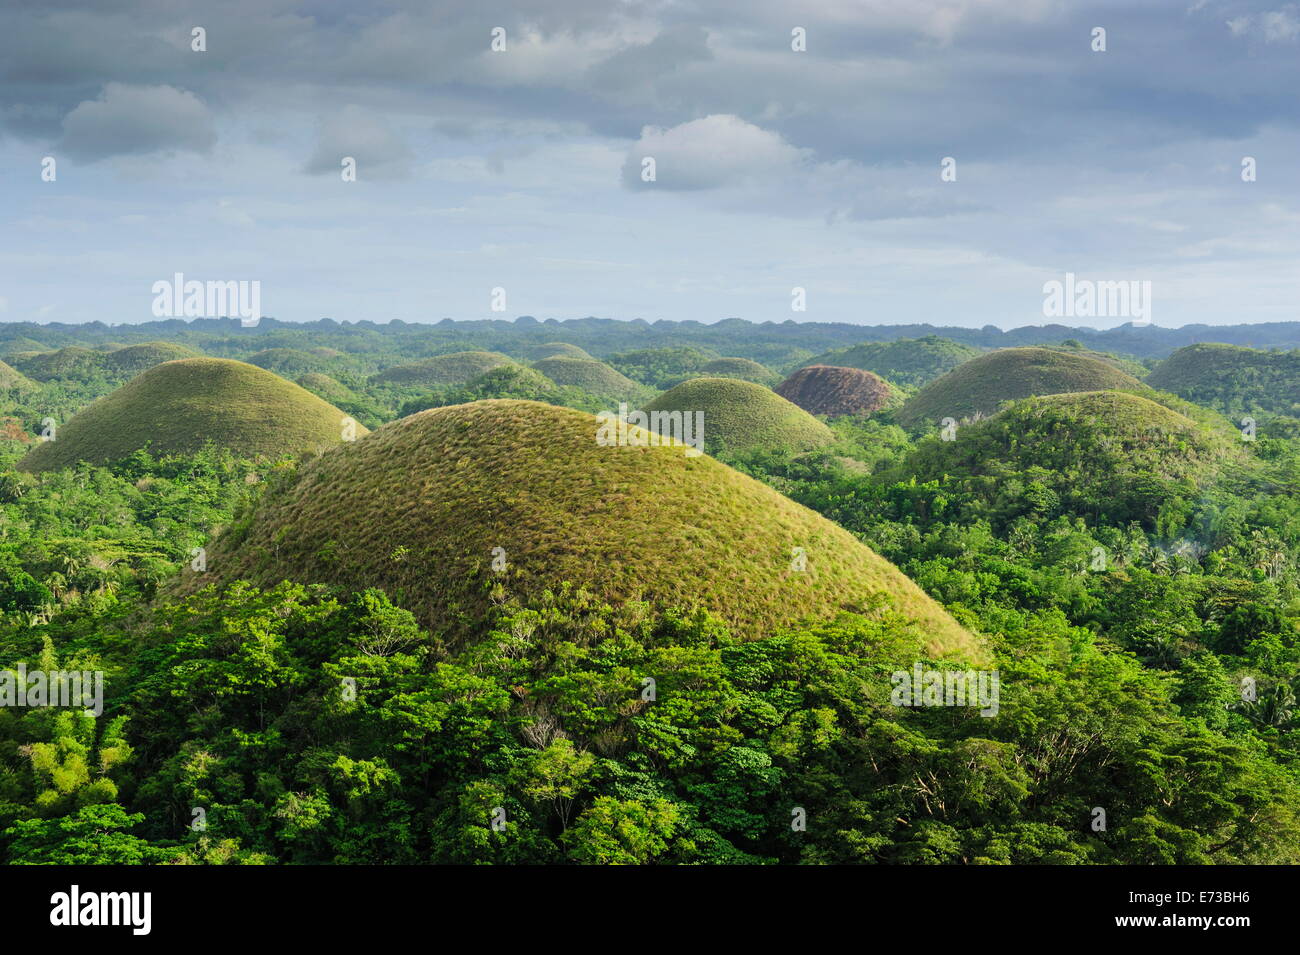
pixel 709 153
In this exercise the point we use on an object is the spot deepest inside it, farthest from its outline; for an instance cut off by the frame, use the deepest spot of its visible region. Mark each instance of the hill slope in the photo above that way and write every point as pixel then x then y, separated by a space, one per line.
pixel 830 391
pixel 741 416
pixel 181 405
pixel 980 385
pixel 418 506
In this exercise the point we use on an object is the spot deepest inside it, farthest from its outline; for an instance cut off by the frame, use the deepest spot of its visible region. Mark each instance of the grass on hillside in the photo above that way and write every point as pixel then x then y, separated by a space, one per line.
pixel 418 507
pixel 741 416
pixel 594 377
pixel 981 385
pixel 180 406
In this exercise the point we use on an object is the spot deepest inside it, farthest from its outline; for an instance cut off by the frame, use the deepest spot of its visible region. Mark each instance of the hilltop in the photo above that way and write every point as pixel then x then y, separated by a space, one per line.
pixel 742 416
pixel 418 507
pixel 979 386
pixel 73 361
pixel 830 391
pixel 1084 453
pixel 136 358
pixel 594 377
pixel 455 368
pixel 741 368
pixel 555 350
pixel 179 406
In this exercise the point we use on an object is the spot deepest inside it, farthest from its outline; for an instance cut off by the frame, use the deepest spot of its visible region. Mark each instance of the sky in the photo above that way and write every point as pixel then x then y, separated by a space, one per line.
pixel 522 168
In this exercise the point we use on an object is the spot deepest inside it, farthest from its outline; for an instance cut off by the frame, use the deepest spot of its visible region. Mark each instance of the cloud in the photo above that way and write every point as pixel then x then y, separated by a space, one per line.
pixel 1273 26
pixel 366 137
pixel 709 153
pixel 134 120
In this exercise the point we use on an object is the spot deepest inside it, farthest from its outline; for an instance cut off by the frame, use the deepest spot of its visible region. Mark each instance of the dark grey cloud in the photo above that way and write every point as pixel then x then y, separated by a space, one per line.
pixel 130 120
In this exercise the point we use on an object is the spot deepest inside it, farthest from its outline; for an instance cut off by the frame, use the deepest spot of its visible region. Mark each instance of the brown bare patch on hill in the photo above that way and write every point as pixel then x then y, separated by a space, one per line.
pixel 829 390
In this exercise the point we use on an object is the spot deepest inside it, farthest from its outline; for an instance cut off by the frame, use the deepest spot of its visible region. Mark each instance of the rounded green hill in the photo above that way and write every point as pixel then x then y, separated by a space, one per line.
pixel 556 350
pixel 1081 453
pixel 978 387
pixel 180 406
pixel 743 416
pixel 420 507
pixel 453 369
pixel 831 391
pixel 594 377
pixel 911 362
pixel 74 361
pixel 741 368
pixel 134 359
pixel 1232 379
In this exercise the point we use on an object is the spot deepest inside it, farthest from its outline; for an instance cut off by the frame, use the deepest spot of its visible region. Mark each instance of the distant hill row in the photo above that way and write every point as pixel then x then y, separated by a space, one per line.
pixel 780 345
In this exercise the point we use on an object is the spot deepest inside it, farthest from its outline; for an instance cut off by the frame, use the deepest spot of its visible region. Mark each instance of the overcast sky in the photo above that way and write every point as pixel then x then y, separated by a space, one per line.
pixel 522 169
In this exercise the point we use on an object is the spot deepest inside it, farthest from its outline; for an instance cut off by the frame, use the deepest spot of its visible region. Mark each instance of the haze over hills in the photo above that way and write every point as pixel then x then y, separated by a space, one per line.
pixel 743 416
pixel 418 507
pixel 980 385
pixel 180 406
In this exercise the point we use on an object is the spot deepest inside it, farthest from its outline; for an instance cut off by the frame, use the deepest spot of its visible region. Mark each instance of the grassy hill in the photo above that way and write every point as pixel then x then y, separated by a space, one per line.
pixel 73 361
pixel 555 350
pixel 1085 453
pixel 452 369
pixel 911 362
pixel 418 506
pixel 741 416
pixel 134 359
pixel 741 368
pixel 594 377
pixel 1232 379
pixel 826 390
pixel 182 405
pixel 980 385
